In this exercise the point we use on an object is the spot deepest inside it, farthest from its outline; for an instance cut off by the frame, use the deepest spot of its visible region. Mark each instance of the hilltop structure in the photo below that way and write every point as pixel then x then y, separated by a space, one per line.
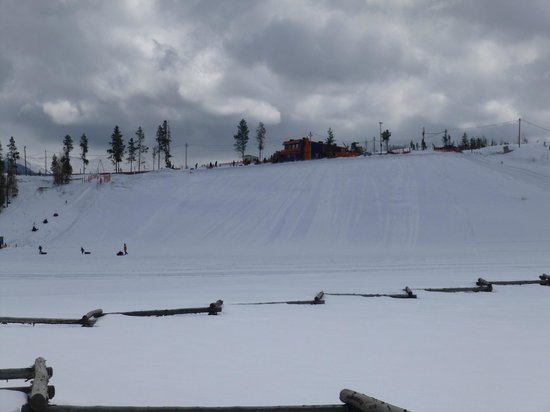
pixel 306 149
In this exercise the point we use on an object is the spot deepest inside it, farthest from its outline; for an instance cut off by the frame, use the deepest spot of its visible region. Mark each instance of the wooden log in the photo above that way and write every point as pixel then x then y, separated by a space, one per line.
pixel 27 390
pixel 481 282
pixel 515 282
pixel 46 321
pixel 364 403
pixel 544 280
pixel 96 313
pixel 407 295
pixel 213 308
pixel 485 288
pixel 290 408
pixel 22 373
pixel 38 397
pixel 317 300
pixel 363 295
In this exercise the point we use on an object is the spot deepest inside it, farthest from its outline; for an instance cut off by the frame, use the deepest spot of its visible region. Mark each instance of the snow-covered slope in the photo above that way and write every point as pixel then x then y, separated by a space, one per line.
pixel 380 204
pixel 285 232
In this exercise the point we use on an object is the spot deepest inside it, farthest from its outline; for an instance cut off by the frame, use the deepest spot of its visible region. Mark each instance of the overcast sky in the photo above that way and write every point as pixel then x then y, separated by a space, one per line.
pixel 73 67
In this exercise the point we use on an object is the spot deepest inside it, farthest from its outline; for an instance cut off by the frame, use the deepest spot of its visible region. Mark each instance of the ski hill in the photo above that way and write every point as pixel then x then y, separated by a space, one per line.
pixel 284 232
pixel 422 203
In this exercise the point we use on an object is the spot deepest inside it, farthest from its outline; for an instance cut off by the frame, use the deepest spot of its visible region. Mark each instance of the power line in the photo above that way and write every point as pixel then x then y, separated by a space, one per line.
pixel 533 124
pixel 484 126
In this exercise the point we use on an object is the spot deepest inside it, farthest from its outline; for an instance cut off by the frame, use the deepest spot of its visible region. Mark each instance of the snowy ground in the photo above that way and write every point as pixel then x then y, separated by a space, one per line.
pixel 286 232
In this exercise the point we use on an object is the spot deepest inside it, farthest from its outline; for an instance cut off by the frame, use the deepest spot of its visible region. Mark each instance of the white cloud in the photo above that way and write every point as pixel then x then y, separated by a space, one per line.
pixel 248 108
pixel 62 111
pixel 501 110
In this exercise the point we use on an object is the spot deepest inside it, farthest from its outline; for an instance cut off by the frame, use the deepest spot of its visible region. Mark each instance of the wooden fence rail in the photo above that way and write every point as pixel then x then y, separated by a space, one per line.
pixel 484 288
pixel 213 309
pixel 543 280
pixel 87 320
pixel 21 373
pixel 90 318
pixel 319 299
pixel 352 402
pixel 407 295
pixel 39 393
pixel 47 321
pixel 364 403
pixel 299 408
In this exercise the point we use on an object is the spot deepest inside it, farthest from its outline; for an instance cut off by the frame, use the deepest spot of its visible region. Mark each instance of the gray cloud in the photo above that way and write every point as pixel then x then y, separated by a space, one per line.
pixel 298 66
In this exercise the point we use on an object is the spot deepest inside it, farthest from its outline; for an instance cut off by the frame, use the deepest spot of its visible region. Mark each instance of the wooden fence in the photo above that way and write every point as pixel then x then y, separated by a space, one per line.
pixel 90 318
pixel 39 394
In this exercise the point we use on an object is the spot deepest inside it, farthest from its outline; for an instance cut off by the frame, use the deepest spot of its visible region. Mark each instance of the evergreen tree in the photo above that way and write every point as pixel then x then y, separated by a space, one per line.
pixel 164 139
pixel 116 152
pixel 330 137
pixel 57 171
pixel 11 180
pixel 465 143
pixel 155 153
pixel 356 148
pixel 166 142
pixel 241 138
pixel 260 138
pixel 2 180
pixel 67 145
pixel 132 149
pixel 386 134
pixel 330 142
pixel 141 148
pixel 423 145
pixel 84 152
pixel 66 167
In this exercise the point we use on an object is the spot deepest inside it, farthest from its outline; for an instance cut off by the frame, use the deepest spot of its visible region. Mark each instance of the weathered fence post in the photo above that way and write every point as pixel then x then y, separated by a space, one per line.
pixel 319 298
pixel 215 307
pixel 87 318
pixel 38 397
pixel 363 403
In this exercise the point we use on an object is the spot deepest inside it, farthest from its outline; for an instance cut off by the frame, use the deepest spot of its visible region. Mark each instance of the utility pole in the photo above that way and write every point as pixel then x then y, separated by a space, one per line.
pixel 45 163
pixel 423 133
pixel 158 158
pixel 519 132
pixel 380 137
pixel 25 157
pixel 186 146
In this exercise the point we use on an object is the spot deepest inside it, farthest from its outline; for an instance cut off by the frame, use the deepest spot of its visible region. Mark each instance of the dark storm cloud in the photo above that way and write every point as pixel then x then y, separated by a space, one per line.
pixel 508 19
pixel 82 67
pixel 330 53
